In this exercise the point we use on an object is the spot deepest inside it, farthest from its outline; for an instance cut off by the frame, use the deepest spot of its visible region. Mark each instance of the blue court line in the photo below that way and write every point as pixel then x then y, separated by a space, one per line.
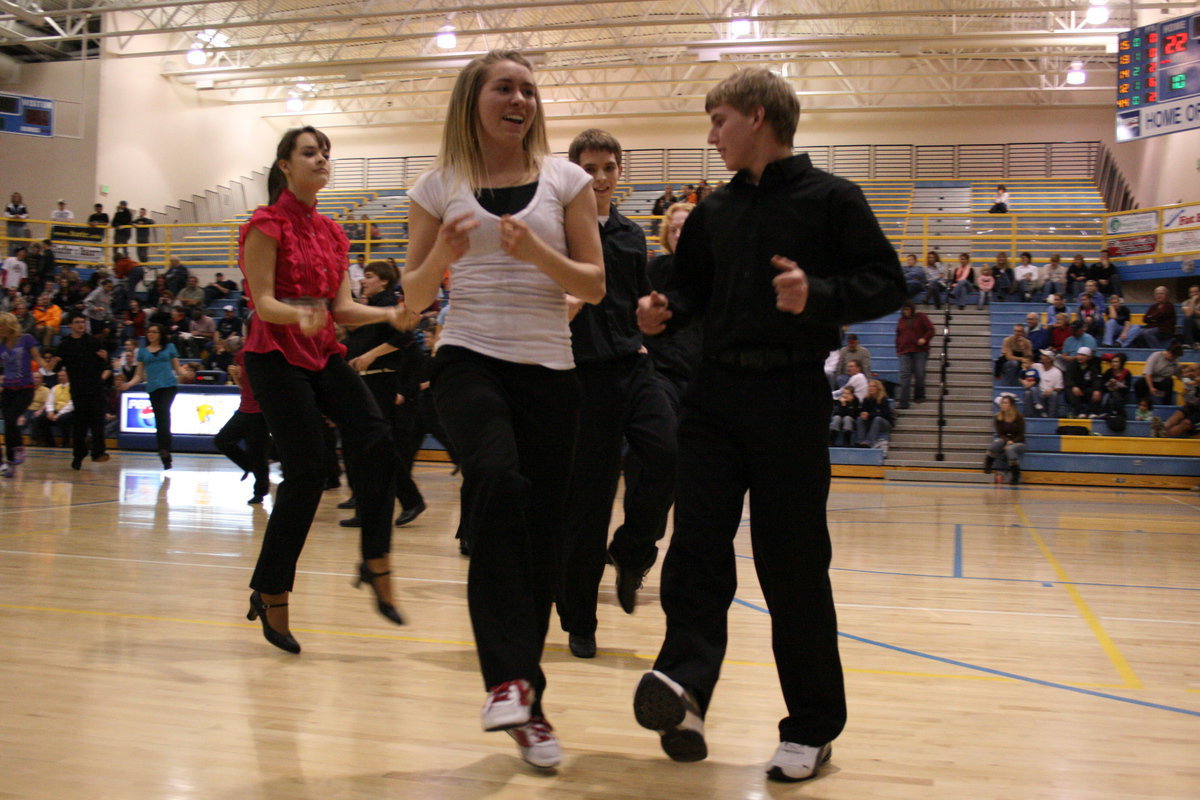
pixel 999 673
pixel 958 550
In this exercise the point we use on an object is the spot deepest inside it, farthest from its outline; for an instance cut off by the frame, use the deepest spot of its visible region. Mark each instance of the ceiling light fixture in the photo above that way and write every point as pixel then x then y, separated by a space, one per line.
pixel 295 104
pixel 197 57
pixel 1097 13
pixel 1075 75
pixel 446 38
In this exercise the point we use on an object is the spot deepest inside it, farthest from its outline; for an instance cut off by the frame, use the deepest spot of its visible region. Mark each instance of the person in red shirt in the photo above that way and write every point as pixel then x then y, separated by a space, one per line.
pixel 294 261
pixel 914 332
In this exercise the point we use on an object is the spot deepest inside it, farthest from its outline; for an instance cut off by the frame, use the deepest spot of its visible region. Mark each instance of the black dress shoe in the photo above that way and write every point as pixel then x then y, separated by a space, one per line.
pixel 350 503
pixel 351 523
pixel 628 583
pixel 258 610
pixel 76 463
pixel 464 548
pixel 582 646
pixel 409 514
pixel 255 501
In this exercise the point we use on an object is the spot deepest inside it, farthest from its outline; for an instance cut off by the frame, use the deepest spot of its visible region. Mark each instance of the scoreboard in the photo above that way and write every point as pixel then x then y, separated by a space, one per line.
pixel 1158 79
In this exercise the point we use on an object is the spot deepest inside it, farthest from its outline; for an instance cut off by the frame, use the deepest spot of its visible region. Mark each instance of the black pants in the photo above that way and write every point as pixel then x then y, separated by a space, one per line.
pixel 88 417
pixel 294 402
pixel 160 401
pixel 403 419
pixel 764 432
pixel 1141 390
pixel 14 403
pixel 622 401
pixel 251 429
pixel 513 428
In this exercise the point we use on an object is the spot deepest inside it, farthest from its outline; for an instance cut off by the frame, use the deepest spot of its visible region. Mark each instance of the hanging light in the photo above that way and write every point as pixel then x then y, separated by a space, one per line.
pixel 739 26
pixel 196 56
pixel 1075 75
pixel 294 103
pixel 446 38
pixel 1097 13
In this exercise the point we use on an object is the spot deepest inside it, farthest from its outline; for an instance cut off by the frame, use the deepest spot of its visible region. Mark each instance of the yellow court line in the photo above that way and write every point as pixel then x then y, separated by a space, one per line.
pixel 1106 643
pixel 28 533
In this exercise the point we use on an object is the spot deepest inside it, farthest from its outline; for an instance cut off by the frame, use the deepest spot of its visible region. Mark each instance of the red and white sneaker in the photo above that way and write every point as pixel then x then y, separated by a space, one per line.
pixel 508 705
pixel 537 743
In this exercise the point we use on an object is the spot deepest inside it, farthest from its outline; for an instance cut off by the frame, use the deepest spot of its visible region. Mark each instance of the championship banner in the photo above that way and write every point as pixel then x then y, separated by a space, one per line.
pixel 77 243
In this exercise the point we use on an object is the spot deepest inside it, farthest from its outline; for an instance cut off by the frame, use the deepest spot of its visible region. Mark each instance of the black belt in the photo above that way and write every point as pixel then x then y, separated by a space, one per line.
pixel 761 359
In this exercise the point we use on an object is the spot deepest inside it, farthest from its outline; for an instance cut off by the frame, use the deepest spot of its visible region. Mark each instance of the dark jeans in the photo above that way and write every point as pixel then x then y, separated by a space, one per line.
pixel 1141 389
pixel 14 402
pixel 294 402
pixel 160 401
pixel 912 376
pixel 252 429
pixel 622 400
pixel 88 417
pixel 762 432
pixel 513 428
pixel 403 419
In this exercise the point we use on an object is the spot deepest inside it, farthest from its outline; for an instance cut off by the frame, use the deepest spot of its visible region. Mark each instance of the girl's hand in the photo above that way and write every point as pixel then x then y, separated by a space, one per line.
pixel 312 320
pixel 454 236
pixel 400 318
pixel 518 241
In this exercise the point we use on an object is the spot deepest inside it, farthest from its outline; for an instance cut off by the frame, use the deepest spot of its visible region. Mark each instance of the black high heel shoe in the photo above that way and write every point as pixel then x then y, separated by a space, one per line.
pixel 365 575
pixel 284 641
pixel 165 455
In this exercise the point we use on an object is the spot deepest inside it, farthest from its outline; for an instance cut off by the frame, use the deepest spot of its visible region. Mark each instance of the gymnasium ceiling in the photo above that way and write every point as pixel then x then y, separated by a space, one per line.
pixel 376 62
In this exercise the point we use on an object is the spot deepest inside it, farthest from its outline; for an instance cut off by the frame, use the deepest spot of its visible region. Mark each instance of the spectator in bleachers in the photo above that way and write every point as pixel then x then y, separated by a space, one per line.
pixel 987 287
pixel 176 276
pixel 1145 413
pixel 13 270
pixel 914 276
pixel 220 357
pixel 144 234
pixel 1029 379
pixel 661 204
pixel 1054 276
pixel 676 353
pixel 1116 322
pixel 203 331
pixel 130 274
pixel 62 213
pixel 98 307
pixel 1055 305
pixel 161 313
pixel 853 353
pixel 935 279
pixel 962 283
pixel 35 258
pixel 1158 323
pixel 1049 385
pixel 230 324
pixel 1104 273
pixel 133 322
pixel 1026 277
pixel 357 272
pixel 15 214
pixel 125 364
pixel 1191 317
pixel 914 332
pixel 845 413
pixel 179 328
pixel 56 415
pixel 1008 444
pixel 1158 377
pixel 1185 420
pixel 1012 350
pixel 187 373
pixel 874 424
pixel 855 379
pixel 99 219
pixel 1006 281
pixel 122 222
pixel 41 393
pixel 1077 275
pixel 66 296
pixel 25 320
pixel 1091 315
pixel 47 320
pixel 1078 338
pixel 218 290
pixel 156 290
pixel 191 295
pixel 356 232
pixel 1118 381
pixel 999 200
pixel 1037 332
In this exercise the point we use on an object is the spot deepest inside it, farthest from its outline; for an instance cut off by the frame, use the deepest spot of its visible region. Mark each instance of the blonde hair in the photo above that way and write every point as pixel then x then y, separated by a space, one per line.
pixel 1010 413
pixel 9 327
pixel 747 89
pixel 461 147
pixel 663 239
pixel 878 385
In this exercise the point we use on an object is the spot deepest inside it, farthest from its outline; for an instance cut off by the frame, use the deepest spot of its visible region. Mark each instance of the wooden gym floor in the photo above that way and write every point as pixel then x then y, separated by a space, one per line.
pixel 1037 642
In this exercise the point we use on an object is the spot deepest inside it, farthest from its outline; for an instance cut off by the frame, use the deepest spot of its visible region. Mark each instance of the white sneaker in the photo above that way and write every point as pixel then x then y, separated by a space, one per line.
pixel 537 743
pixel 663 705
pixel 508 705
pixel 797 762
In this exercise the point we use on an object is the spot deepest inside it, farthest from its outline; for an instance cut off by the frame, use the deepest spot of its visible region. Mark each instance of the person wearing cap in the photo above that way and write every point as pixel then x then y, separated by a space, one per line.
pixel 1082 380
pixel 1049 385
pixel 852 352
pixel 122 225
pixel 62 213
pixel 1157 381
pixel 230 324
pixel 218 290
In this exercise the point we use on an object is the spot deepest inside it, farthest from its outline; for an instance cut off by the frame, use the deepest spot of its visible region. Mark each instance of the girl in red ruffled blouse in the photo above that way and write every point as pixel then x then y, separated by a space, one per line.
pixel 295 263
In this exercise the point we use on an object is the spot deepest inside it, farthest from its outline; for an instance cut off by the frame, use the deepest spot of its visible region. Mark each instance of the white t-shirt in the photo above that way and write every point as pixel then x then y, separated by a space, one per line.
pixel 62 215
pixel 1051 379
pixel 15 271
pixel 502 307
pixel 1026 272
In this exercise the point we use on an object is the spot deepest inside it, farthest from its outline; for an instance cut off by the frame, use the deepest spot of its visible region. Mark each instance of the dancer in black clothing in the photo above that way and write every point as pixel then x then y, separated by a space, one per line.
pixel 87 366
pixel 247 425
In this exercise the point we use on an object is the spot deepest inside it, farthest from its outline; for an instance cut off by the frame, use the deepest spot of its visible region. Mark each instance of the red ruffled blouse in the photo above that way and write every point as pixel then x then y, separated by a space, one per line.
pixel 310 262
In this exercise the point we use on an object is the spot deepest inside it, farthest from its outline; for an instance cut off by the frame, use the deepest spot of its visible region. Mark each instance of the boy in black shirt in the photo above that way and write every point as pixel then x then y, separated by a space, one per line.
pixel 772 265
pixel 87 367
pixel 621 399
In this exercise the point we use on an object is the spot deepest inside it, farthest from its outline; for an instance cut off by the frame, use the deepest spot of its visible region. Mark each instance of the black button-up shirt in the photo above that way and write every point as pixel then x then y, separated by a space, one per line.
pixel 609 330
pixel 723 271
pixel 675 353
pixel 81 357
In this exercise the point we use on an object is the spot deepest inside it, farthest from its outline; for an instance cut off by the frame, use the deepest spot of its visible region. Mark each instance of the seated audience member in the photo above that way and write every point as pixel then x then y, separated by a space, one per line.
pixel 36 405
pixel 230 324
pixel 831 362
pixel 1076 276
pixel 1089 290
pixel 221 355
pixel 1116 322
pixel 176 276
pixel 191 295
pixel 1091 315
pixel 219 289
pixel 914 276
pixel 162 311
pixel 356 233
pixel 1008 442
pixel 1027 278
pixel 357 272
pixel 1078 338
pixel 845 413
pixel 875 419
pixel 1049 384
pixel 203 331
pixel 1031 397
pixel 1055 305
pixel 853 353
pixel 1005 278
pixel 1158 323
pixel 1037 331
pixel 935 279
pixel 1012 350
pixel 125 366
pixel 962 283
pixel 156 290
pixel 98 305
pixel 987 287
pixel 1104 273
pixel 1118 381
pixel 1191 317
pixel 1059 332
pixel 1000 200
pixel 1082 382
pixel 1145 413
pixel 133 322
pixel 856 381
pixel 187 373
pixel 179 329
pixel 1054 276
pixel 56 413
pixel 1158 377
pixel 1185 420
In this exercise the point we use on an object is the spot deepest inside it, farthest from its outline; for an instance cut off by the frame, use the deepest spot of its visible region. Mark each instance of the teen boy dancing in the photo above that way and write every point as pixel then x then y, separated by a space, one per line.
pixel 771 265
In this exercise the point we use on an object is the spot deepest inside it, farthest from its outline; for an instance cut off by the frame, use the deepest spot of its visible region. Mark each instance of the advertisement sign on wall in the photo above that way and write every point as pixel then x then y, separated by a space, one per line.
pixel 1136 222
pixel 1132 245
pixel 1182 217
